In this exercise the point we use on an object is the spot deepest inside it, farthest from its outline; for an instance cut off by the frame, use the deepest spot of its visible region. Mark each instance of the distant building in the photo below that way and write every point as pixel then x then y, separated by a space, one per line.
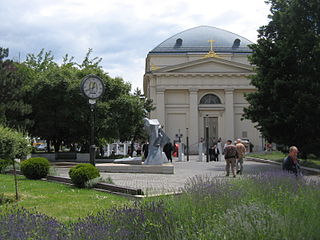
pixel 198 78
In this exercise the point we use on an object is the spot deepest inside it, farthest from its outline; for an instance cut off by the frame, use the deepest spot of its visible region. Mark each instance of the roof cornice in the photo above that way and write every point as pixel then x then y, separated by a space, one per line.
pixel 172 68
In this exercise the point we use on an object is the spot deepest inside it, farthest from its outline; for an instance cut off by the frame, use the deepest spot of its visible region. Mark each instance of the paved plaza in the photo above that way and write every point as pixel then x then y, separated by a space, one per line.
pixel 166 183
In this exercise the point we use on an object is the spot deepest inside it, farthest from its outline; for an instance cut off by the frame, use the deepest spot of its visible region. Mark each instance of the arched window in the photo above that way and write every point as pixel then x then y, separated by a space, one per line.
pixel 210 99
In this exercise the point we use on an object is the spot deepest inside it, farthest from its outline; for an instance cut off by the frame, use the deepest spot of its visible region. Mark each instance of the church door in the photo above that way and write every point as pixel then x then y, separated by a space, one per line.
pixel 212 123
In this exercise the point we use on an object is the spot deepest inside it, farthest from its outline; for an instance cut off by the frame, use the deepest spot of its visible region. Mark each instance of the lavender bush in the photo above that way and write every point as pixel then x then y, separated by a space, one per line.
pixel 274 205
pixel 19 223
pixel 141 221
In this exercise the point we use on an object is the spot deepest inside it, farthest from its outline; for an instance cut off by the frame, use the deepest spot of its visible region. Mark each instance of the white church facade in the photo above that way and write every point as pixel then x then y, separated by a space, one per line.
pixel 197 79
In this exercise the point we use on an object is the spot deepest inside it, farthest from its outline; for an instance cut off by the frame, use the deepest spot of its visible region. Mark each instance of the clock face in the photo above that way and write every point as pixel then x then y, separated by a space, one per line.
pixel 92 87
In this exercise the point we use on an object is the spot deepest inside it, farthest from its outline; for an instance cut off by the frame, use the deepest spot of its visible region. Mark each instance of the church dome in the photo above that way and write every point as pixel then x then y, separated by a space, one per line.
pixel 196 40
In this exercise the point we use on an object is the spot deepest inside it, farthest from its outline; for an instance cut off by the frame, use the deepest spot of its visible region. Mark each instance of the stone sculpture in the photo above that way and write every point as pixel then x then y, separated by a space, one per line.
pixel 157 139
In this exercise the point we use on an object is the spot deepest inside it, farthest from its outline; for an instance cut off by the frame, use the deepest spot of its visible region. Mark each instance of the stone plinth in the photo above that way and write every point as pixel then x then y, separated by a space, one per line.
pixel 166 168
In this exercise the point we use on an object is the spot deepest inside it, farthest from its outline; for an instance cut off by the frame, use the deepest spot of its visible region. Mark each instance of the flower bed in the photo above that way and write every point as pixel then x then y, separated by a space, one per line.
pixel 273 205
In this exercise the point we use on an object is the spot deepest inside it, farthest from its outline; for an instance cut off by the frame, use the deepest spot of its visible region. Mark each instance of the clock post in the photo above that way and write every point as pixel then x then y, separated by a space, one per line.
pixel 92 87
pixel 92 149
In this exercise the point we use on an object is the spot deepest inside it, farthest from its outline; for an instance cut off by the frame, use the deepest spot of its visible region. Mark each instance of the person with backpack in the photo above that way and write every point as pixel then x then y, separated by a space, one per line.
pixel 230 155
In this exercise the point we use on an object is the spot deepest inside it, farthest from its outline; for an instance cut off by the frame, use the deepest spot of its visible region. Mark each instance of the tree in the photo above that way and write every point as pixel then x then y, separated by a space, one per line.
pixel 13 145
pixel 286 105
pixel 62 114
pixel 13 108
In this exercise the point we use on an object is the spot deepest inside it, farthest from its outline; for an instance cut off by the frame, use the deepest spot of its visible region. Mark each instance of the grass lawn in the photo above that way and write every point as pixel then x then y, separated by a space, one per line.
pixel 63 202
pixel 279 156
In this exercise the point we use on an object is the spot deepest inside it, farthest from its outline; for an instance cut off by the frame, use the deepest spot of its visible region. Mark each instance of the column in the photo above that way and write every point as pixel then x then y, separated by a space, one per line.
pixel 125 148
pixel 160 108
pixel 229 113
pixel 117 149
pixel 108 150
pixel 193 120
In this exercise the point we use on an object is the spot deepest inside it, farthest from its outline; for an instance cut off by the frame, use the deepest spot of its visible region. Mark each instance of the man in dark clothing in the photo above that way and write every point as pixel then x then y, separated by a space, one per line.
pixel 167 149
pixel 291 163
pixel 145 150
pixel 214 153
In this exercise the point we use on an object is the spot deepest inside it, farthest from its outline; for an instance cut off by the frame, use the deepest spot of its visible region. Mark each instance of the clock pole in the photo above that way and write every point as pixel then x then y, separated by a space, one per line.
pixel 92 146
pixel 92 87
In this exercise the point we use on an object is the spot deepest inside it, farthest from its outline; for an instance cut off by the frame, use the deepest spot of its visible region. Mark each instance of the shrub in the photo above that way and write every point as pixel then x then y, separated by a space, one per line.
pixel 82 173
pixel 3 164
pixel 35 168
pixel 13 144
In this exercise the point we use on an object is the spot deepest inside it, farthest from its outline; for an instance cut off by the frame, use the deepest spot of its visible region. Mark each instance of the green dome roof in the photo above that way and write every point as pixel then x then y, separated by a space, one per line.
pixel 197 40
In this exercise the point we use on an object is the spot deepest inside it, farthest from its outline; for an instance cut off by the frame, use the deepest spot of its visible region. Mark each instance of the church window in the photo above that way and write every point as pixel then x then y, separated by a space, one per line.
pixel 210 99
pixel 236 43
pixel 178 43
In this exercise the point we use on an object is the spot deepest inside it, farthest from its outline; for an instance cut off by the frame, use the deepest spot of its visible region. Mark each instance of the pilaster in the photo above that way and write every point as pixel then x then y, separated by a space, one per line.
pixel 160 106
pixel 193 119
pixel 229 113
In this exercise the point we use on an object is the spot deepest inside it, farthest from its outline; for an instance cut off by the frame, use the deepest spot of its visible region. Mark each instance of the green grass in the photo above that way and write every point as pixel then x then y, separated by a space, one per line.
pixel 278 157
pixel 63 202
pixel 274 155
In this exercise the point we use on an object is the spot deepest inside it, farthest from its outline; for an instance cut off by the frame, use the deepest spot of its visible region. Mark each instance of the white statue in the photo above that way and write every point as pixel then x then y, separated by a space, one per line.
pixel 157 139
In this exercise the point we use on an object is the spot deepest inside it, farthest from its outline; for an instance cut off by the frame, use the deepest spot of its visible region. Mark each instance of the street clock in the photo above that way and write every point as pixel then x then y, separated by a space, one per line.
pixel 92 87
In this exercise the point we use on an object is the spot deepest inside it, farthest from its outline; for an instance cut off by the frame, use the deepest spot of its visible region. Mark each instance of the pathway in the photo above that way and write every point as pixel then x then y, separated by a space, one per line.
pixel 164 183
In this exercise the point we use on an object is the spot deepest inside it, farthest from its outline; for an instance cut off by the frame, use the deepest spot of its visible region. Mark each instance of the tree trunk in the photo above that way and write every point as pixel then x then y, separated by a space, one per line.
pixel 56 145
pixel 15 179
pixel 48 146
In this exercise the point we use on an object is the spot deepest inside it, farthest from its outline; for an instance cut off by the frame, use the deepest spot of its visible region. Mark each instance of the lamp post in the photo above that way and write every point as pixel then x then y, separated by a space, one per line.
pixel 187 141
pixel 207 138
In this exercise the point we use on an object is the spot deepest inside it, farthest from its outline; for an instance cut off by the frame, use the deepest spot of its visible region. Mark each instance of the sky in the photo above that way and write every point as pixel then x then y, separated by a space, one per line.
pixel 121 32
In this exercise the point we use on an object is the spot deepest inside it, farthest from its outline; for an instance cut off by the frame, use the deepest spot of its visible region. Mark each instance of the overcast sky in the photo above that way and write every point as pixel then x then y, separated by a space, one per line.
pixel 121 32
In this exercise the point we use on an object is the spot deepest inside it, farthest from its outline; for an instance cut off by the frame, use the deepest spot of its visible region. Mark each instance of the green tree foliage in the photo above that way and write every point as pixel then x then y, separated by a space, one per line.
pixel 43 97
pixel 14 109
pixel 61 114
pixel 13 144
pixel 286 105
pixel 56 102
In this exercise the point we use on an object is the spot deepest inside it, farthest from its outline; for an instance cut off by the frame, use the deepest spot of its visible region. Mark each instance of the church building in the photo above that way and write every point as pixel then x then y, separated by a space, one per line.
pixel 197 80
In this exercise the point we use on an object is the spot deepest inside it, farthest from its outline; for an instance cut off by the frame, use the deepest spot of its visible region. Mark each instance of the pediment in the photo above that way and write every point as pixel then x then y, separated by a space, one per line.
pixel 208 65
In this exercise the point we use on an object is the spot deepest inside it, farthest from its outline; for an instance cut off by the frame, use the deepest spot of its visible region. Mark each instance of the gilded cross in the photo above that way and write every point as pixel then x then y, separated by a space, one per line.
pixel 211 53
pixel 211 43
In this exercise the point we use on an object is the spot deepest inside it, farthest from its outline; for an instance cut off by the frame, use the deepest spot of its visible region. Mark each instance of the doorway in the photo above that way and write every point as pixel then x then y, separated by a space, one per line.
pixel 212 123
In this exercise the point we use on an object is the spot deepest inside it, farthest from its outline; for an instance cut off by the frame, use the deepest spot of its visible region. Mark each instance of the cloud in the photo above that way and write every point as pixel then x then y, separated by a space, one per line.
pixel 121 32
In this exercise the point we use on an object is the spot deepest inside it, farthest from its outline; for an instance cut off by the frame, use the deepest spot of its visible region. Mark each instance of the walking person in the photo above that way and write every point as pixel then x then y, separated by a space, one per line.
pixel 291 162
pixel 215 153
pixel 230 155
pixel 211 154
pixel 167 149
pixel 145 150
pixel 241 152
pixel 219 147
